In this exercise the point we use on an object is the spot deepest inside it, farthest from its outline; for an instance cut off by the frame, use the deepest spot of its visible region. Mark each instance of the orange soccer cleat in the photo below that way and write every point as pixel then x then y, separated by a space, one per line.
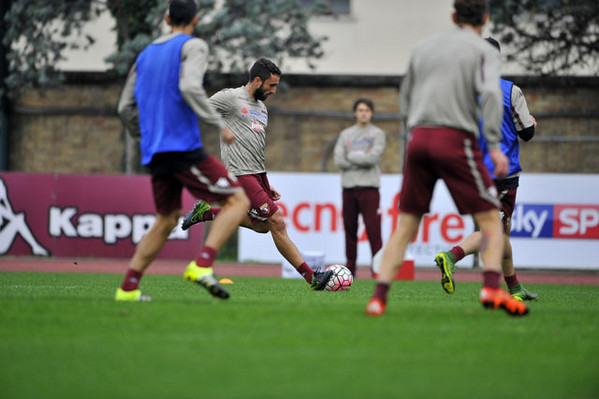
pixel 498 298
pixel 375 307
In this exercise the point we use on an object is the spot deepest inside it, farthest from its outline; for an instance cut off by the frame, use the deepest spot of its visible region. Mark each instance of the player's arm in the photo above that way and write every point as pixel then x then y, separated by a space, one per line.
pixel 339 154
pixel 127 107
pixel 524 121
pixel 487 85
pixel 486 80
pixel 222 102
pixel 194 58
pixel 373 155
pixel 404 94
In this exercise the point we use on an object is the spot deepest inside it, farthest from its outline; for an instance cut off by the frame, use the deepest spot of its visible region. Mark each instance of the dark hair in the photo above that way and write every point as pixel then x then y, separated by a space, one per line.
pixel 494 43
pixel 181 12
pixel 365 101
pixel 470 12
pixel 263 68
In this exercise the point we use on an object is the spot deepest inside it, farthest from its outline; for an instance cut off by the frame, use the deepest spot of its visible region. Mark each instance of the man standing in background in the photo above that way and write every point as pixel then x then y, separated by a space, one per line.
pixel 358 153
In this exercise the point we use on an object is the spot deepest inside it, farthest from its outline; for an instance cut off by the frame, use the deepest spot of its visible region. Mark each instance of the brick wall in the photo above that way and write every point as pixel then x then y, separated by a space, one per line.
pixel 75 130
pixel 69 130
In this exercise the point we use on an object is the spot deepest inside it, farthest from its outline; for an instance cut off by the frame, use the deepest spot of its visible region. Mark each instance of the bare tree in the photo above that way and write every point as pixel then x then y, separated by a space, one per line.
pixel 548 37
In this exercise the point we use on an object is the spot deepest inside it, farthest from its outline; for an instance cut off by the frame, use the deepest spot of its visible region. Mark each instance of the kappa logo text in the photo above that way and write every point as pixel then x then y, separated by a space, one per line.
pixel 109 227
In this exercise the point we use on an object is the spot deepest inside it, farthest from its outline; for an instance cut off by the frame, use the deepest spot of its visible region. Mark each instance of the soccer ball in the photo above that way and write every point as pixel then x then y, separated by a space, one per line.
pixel 341 280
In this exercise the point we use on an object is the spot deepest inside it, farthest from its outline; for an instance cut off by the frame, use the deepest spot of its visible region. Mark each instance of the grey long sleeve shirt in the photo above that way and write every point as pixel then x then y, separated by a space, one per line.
pixel 452 79
pixel 358 154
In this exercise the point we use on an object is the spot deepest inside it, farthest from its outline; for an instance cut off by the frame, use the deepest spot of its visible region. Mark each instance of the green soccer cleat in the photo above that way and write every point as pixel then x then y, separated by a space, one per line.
pixel 446 263
pixel 131 296
pixel 196 215
pixel 522 294
pixel 204 276
pixel 320 279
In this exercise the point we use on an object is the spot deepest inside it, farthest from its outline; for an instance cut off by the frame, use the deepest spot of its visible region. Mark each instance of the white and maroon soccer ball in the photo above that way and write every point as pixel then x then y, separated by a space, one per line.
pixel 341 280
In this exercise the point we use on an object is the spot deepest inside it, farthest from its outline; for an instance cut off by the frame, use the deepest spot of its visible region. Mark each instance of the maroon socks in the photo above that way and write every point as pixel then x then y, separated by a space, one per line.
pixel 491 279
pixel 511 280
pixel 131 281
pixel 206 257
pixel 380 291
pixel 211 214
pixel 458 252
pixel 306 272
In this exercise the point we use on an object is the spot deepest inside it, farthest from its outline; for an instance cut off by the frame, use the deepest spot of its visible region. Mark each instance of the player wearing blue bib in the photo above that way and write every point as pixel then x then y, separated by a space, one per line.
pixel 176 127
pixel 160 105
pixel 517 123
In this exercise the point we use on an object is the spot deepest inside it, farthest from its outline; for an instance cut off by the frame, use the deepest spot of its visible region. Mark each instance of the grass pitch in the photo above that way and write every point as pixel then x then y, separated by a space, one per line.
pixel 63 336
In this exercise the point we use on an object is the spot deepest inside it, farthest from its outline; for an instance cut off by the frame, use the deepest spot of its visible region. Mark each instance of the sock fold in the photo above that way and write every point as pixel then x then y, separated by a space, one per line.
pixel 511 280
pixel 131 280
pixel 206 257
pixel 458 252
pixel 380 291
pixel 306 272
pixel 491 279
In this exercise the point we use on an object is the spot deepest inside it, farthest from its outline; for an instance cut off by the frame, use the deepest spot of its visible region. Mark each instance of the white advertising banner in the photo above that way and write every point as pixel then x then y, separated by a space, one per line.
pixel 555 223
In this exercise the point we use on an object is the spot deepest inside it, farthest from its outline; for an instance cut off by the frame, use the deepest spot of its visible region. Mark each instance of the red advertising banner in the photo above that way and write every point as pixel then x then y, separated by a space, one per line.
pixel 84 216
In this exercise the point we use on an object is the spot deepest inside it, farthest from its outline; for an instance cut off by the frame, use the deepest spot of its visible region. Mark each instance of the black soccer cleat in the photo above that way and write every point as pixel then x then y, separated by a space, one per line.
pixel 320 279
pixel 196 215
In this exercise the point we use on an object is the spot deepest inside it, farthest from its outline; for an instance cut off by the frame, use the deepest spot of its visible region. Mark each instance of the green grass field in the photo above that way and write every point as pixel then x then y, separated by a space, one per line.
pixel 62 336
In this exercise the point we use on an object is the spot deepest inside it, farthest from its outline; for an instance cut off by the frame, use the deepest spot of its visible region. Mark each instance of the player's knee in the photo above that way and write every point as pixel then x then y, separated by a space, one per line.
pixel 168 222
pixel 261 227
pixel 276 222
pixel 239 199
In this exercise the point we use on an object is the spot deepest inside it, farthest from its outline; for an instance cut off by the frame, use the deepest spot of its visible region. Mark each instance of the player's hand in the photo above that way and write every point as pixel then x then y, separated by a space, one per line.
pixel 500 161
pixel 534 121
pixel 275 194
pixel 227 135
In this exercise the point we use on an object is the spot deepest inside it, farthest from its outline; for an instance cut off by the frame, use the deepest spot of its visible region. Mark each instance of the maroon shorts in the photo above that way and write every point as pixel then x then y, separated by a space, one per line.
pixel 257 188
pixel 508 202
pixel 208 180
pixel 452 155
